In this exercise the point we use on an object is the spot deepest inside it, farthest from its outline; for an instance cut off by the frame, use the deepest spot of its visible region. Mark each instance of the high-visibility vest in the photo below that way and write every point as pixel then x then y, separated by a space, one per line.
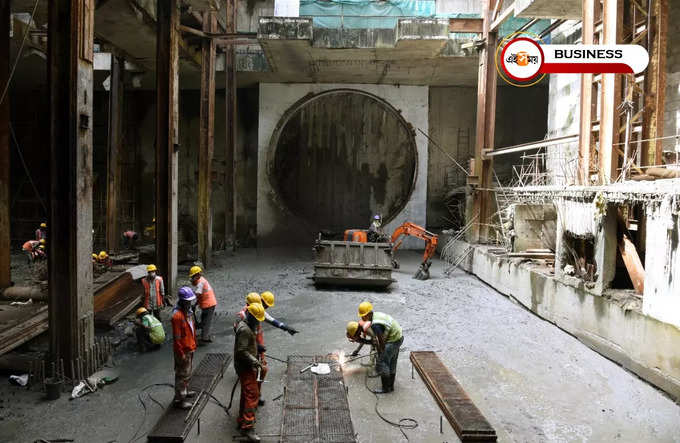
pixel 206 299
pixel 158 281
pixel 183 331
pixel 156 331
pixel 392 328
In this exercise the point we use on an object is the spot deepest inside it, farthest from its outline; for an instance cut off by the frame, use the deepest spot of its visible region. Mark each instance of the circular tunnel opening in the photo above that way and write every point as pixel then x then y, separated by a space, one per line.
pixel 340 156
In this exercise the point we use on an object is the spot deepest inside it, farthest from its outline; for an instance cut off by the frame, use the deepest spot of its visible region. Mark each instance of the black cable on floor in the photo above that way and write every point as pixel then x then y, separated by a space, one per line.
pixel 135 436
pixel 403 423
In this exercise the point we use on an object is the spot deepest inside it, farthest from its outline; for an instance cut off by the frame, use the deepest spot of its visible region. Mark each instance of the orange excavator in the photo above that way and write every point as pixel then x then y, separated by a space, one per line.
pixel 406 229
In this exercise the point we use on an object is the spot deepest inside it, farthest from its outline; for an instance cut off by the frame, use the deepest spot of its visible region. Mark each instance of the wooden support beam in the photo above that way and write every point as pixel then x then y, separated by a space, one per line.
pixel 116 93
pixel 484 138
pixel 585 125
pixel 610 97
pixel 466 25
pixel 230 130
pixel 167 138
pixel 207 140
pixel 4 145
pixel 655 85
pixel 70 78
pixel 502 17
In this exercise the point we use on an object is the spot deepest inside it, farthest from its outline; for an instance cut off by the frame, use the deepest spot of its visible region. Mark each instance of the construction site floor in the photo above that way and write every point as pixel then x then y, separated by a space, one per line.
pixel 532 381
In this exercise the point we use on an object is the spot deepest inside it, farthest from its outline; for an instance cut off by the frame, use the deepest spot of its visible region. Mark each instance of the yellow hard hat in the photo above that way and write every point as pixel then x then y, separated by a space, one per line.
pixel 352 328
pixel 41 247
pixel 151 268
pixel 194 270
pixel 103 254
pixel 141 311
pixel 42 241
pixel 257 311
pixel 43 225
pixel 253 297
pixel 154 220
pixel 94 255
pixel 365 308
pixel 268 298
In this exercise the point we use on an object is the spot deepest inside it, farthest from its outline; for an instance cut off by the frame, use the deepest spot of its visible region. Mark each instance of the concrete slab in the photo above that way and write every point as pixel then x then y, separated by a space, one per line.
pixel 564 9
pixel 533 381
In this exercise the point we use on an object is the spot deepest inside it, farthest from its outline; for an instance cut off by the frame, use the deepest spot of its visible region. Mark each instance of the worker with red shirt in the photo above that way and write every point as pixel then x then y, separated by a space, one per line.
pixel 206 301
pixel 154 292
pixel 267 301
pixel 184 345
pixel 29 249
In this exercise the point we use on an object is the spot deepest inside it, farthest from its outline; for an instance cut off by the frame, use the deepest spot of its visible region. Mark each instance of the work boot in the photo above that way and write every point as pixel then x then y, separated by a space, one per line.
pixel 260 402
pixel 250 434
pixel 191 394
pixel 182 404
pixel 385 379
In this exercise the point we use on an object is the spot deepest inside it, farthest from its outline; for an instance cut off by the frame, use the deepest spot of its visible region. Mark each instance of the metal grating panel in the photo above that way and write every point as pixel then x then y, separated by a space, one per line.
pixel 315 406
pixel 465 418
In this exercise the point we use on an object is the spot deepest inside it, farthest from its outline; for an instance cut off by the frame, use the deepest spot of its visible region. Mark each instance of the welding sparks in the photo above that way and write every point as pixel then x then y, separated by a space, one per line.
pixel 341 358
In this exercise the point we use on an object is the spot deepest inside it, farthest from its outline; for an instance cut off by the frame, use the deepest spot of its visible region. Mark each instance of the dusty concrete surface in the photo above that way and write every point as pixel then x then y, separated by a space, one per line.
pixel 532 381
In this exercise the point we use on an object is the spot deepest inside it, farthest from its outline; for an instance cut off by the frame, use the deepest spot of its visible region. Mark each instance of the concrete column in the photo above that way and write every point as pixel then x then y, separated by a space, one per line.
pixel 605 249
pixel 116 94
pixel 167 138
pixel 4 145
pixel 230 129
pixel 207 140
pixel 560 252
pixel 70 73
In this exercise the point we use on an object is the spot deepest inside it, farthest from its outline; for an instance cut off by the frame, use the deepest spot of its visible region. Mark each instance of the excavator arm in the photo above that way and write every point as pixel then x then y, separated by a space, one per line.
pixel 413 230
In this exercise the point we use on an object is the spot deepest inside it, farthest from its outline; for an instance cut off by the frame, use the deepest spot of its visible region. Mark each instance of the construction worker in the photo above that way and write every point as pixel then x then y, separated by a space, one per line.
pixel 150 231
pixel 149 330
pixel 154 292
pixel 248 367
pixel 41 232
pixel 388 338
pixel 129 239
pixel 184 345
pixel 357 332
pixel 40 253
pixel 375 233
pixel 29 249
pixel 206 301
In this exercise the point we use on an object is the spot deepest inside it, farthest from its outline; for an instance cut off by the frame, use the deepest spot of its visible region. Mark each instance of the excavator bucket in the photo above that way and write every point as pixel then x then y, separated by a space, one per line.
pixel 423 272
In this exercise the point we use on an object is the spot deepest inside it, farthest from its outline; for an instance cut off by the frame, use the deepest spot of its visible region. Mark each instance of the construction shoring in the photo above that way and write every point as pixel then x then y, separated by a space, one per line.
pixel 167 138
pixel 586 104
pixel 655 83
pixel 116 95
pixel 230 129
pixel 207 139
pixel 5 274
pixel 486 111
pixel 70 74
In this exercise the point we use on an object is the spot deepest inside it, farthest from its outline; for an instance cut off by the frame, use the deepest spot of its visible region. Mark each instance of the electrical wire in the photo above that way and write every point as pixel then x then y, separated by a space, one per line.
pixel 403 423
pixel 135 437
pixel 21 48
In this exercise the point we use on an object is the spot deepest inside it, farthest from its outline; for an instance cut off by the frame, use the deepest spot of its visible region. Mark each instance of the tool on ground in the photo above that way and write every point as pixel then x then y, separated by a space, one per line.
pixel 336 363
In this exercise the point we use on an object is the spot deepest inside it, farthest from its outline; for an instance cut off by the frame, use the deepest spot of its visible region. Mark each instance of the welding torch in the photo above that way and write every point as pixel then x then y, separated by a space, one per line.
pixel 306 368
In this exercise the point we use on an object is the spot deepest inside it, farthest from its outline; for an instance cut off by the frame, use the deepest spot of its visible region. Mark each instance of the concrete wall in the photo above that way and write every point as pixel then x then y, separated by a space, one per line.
pixel 564 112
pixel 275 225
pixel 662 267
pixel 611 325
pixel 672 114
pixel 535 227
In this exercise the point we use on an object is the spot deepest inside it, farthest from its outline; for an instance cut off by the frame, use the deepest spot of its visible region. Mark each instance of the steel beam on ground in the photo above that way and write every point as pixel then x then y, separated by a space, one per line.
pixel 116 94
pixel 4 145
pixel 70 75
pixel 230 130
pixel 655 84
pixel 207 139
pixel 167 138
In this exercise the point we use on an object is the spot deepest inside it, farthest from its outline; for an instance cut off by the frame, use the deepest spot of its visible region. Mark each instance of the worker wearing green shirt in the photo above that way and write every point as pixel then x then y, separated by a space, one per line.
pixel 149 331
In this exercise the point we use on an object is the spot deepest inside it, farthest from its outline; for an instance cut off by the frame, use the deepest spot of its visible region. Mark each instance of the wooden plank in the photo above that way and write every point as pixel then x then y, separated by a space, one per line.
pixel 174 425
pixel 460 411
pixel 5 249
pixel 167 139
pixel 207 140
pixel 634 266
pixel 27 323
pixel 70 86
pixel 586 100
pixel 466 25
pixel 116 94
pixel 502 17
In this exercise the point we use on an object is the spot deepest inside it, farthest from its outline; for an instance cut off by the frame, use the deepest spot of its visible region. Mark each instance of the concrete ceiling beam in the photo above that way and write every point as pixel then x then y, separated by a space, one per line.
pixel 563 9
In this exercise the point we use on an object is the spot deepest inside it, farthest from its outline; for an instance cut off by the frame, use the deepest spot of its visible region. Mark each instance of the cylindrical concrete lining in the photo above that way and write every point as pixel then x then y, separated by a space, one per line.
pixel 341 156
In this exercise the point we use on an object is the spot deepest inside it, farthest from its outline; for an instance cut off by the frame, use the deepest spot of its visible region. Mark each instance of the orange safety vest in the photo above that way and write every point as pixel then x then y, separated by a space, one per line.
pixel 147 291
pixel 183 332
pixel 206 299
pixel 259 334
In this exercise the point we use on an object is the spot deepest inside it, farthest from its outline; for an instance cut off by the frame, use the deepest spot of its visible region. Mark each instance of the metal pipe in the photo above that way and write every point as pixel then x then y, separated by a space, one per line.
pixel 551 28
pixel 533 145
pixel 527 25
